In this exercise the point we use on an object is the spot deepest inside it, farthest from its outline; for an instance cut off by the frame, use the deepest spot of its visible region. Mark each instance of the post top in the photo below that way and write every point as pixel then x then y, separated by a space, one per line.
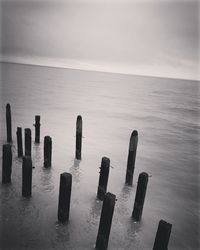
pixel 37 117
pixel 79 124
pixel 134 133
pixel 27 130
pixel 165 224
pixel 8 105
pixel 143 176
pixel 7 146
pixel 133 140
pixel 110 196
pixel 105 160
pixel 66 175
pixel 47 138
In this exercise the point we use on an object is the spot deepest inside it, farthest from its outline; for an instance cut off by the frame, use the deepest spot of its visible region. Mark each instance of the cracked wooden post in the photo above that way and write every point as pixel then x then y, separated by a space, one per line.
pixel 6 164
pixel 28 142
pixel 19 142
pixel 140 196
pixel 105 221
pixel 162 235
pixel 26 176
pixel 131 157
pixel 8 123
pixel 103 178
pixel 47 151
pixel 37 129
pixel 78 137
pixel 64 197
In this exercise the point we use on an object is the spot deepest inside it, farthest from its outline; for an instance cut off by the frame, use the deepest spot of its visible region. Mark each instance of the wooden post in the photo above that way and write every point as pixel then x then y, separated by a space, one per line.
pixel 8 123
pixel 140 196
pixel 19 142
pixel 78 137
pixel 162 235
pixel 131 157
pixel 105 221
pixel 28 142
pixel 103 178
pixel 37 129
pixel 64 197
pixel 47 151
pixel 26 176
pixel 6 164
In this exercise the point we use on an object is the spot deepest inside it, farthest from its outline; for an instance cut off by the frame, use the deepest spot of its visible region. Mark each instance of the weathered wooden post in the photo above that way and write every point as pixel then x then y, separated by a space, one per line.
pixel 140 196
pixel 64 197
pixel 28 142
pixel 78 137
pixel 8 123
pixel 19 142
pixel 47 151
pixel 103 178
pixel 131 157
pixel 37 129
pixel 26 176
pixel 6 164
pixel 162 236
pixel 105 221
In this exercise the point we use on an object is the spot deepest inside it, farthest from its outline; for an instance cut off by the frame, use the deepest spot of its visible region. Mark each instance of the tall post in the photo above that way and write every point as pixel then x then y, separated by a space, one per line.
pixel 103 178
pixel 8 123
pixel 47 151
pixel 131 157
pixel 162 235
pixel 78 137
pixel 37 129
pixel 28 142
pixel 6 164
pixel 140 196
pixel 105 221
pixel 26 176
pixel 64 197
pixel 19 142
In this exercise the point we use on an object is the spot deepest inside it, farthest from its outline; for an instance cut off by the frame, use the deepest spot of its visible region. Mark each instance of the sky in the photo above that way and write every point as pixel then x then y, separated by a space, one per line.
pixel 146 37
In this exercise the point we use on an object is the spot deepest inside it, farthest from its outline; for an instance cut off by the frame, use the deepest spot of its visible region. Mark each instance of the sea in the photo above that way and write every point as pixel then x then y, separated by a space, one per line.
pixel 164 111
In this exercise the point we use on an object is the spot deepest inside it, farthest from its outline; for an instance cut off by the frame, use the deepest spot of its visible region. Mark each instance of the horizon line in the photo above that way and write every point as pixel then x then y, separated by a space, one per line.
pixel 62 66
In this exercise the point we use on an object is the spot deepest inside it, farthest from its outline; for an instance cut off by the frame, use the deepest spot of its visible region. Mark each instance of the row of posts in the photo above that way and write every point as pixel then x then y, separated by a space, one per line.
pixel 48 144
pixel 164 228
pixel 47 139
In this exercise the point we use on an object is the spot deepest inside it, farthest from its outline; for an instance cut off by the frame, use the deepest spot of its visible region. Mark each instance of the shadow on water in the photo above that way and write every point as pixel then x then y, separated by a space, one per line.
pixel 46 179
pixel 37 154
pixel 45 175
pixel 92 221
pixel 62 232
pixel 7 192
pixel 133 237
pixel 95 210
pixel 75 170
pixel 123 198
pixel 133 228
pixel 27 209
pixel 126 192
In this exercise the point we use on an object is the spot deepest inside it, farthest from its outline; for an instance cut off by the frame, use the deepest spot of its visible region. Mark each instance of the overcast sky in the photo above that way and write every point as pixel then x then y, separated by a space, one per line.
pixel 148 37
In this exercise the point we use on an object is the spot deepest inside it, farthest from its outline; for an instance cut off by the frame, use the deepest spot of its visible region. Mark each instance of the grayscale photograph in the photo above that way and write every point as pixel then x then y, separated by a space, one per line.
pixel 99 124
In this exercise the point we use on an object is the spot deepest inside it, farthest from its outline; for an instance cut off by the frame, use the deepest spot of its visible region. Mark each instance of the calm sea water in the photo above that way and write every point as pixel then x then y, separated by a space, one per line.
pixel 166 114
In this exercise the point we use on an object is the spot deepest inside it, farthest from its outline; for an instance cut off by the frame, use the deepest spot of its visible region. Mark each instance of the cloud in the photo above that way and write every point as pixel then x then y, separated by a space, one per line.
pixel 143 35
